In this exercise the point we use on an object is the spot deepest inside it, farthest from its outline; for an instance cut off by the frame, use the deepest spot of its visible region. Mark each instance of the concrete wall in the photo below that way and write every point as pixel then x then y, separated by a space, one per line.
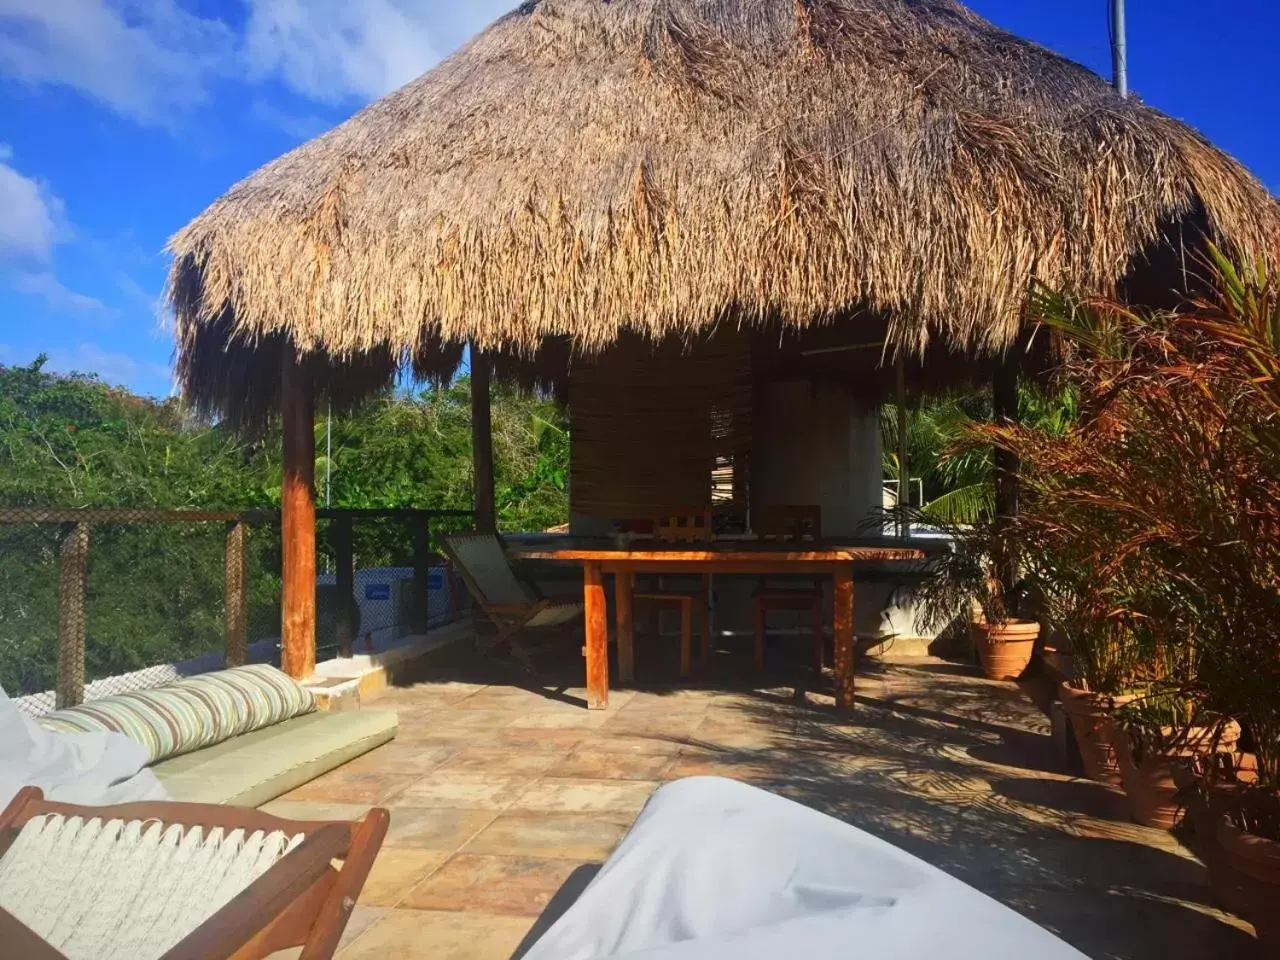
pixel 814 444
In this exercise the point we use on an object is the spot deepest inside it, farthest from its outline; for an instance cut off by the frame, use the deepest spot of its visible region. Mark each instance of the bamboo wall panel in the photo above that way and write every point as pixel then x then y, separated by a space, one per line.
pixel 652 423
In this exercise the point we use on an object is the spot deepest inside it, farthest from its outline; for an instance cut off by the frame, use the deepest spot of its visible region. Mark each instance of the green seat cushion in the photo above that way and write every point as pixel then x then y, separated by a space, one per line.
pixel 192 714
pixel 257 767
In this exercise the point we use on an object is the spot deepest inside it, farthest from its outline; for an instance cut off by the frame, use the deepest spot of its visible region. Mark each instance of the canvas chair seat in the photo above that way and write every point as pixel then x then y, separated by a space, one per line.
pixel 556 613
pixel 509 603
pixel 151 880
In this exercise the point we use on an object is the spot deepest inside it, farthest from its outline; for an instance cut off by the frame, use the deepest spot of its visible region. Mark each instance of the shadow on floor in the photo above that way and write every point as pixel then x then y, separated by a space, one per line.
pixel 563 899
pixel 948 766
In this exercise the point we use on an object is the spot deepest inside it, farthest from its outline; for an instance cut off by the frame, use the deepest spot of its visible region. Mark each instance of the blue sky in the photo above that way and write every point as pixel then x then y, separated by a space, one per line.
pixel 122 119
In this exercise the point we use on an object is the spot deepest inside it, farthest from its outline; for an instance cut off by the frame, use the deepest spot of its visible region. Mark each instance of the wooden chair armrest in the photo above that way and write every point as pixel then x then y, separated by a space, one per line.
pixel 21 941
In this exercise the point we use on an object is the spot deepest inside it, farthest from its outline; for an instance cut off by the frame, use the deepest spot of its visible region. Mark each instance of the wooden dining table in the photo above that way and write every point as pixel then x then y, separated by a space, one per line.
pixel 624 563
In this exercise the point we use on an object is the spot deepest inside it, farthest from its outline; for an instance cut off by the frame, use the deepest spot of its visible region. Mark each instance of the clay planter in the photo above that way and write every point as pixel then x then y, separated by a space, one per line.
pixel 1090 716
pixel 1149 779
pixel 1004 649
pixel 1246 878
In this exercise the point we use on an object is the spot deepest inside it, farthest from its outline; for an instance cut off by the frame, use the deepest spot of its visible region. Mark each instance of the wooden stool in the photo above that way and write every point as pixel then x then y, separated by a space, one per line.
pixel 788 525
pixel 691 525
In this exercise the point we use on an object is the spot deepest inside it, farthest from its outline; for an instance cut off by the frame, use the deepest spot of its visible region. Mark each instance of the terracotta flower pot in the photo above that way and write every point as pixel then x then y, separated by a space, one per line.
pixel 1004 649
pixel 1090 716
pixel 1150 777
pixel 1247 878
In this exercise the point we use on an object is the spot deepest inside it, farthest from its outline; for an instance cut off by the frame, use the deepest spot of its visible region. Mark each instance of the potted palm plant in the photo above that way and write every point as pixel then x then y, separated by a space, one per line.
pixel 962 589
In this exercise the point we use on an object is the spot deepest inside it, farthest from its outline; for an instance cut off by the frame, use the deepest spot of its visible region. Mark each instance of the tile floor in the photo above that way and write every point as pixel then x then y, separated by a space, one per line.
pixel 501 797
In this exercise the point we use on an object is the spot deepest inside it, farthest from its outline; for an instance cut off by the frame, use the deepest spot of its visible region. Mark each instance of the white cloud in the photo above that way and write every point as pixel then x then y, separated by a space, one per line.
pixel 50 289
pixel 29 227
pixel 333 50
pixel 301 127
pixel 143 59
pixel 112 366
pixel 151 59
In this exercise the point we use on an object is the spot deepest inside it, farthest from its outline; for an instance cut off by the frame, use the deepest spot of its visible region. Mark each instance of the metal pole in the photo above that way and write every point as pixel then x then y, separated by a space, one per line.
pixel 904 452
pixel 1119 48
pixel 328 455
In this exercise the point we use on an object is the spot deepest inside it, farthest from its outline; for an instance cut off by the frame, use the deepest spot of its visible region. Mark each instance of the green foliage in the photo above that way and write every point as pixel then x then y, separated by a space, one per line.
pixel 155 592
pixel 1155 520
pixel 959 475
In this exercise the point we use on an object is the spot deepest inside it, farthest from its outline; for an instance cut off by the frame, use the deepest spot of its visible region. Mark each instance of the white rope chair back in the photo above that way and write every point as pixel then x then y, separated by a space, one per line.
pixel 128 890
pixel 481 556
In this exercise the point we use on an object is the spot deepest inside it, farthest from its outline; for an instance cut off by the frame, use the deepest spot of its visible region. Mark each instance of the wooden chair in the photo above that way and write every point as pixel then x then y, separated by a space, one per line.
pixel 788 525
pixel 510 604
pixel 175 880
pixel 690 525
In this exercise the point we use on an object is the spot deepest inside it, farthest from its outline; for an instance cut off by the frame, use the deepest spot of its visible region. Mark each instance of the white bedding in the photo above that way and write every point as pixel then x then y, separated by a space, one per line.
pixel 87 768
pixel 717 870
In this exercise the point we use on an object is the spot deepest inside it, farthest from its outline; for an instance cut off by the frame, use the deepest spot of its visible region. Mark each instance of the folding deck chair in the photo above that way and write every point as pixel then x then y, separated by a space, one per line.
pixel 144 881
pixel 510 604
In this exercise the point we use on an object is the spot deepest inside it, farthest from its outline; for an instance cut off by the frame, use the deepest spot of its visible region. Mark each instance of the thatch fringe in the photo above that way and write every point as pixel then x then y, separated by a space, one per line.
pixel 584 168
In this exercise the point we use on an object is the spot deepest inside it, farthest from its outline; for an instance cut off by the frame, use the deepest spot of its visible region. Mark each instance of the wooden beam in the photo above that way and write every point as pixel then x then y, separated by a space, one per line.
pixel 73 572
pixel 482 441
pixel 844 641
pixel 298 522
pixel 236 587
pixel 597 647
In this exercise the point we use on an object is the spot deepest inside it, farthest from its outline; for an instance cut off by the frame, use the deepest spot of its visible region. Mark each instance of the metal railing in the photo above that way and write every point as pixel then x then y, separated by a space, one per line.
pixel 100 601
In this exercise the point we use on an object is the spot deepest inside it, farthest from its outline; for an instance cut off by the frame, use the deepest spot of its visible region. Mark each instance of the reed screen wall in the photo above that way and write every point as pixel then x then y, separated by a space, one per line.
pixel 663 425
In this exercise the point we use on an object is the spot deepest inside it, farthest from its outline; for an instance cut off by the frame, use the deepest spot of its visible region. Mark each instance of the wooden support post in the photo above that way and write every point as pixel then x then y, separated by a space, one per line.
pixel 624 587
pixel 73 571
pixel 482 441
pixel 421 574
pixel 298 522
pixel 597 647
pixel 345 577
pixel 845 653
pixel 237 594
pixel 1004 395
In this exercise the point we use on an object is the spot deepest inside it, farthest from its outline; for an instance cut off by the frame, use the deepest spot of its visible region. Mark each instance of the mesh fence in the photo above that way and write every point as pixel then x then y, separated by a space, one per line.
pixel 133 600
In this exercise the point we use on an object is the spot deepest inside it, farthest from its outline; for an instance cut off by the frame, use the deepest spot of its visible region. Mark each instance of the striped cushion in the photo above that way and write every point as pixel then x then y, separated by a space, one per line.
pixel 194 713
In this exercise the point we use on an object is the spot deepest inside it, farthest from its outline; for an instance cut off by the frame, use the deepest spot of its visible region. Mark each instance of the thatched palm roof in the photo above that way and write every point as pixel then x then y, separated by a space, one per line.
pixel 586 166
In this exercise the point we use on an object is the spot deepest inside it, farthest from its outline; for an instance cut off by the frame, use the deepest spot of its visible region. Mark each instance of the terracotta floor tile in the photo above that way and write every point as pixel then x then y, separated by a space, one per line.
pixel 541 738
pixel 467 791
pixel 517 790
pixel 585 796
pixel 439 828
pixel 397 871
pixel 676 727
pixel 626 742
pixel 743 767
pixel 345 786
pixel 501 761
pixel 569 836
pixel 362 918
pixel 572 718
pixel 510 886
pixel 401 757
pixel 439 935
pixel 588 764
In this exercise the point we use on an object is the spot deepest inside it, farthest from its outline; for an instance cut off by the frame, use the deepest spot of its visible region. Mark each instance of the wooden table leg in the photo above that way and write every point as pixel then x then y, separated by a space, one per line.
pixel 597 648
pixel 624 586
pixel 844 638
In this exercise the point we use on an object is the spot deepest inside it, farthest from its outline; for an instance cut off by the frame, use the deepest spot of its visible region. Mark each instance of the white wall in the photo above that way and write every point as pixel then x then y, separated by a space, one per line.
pixel 814 444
